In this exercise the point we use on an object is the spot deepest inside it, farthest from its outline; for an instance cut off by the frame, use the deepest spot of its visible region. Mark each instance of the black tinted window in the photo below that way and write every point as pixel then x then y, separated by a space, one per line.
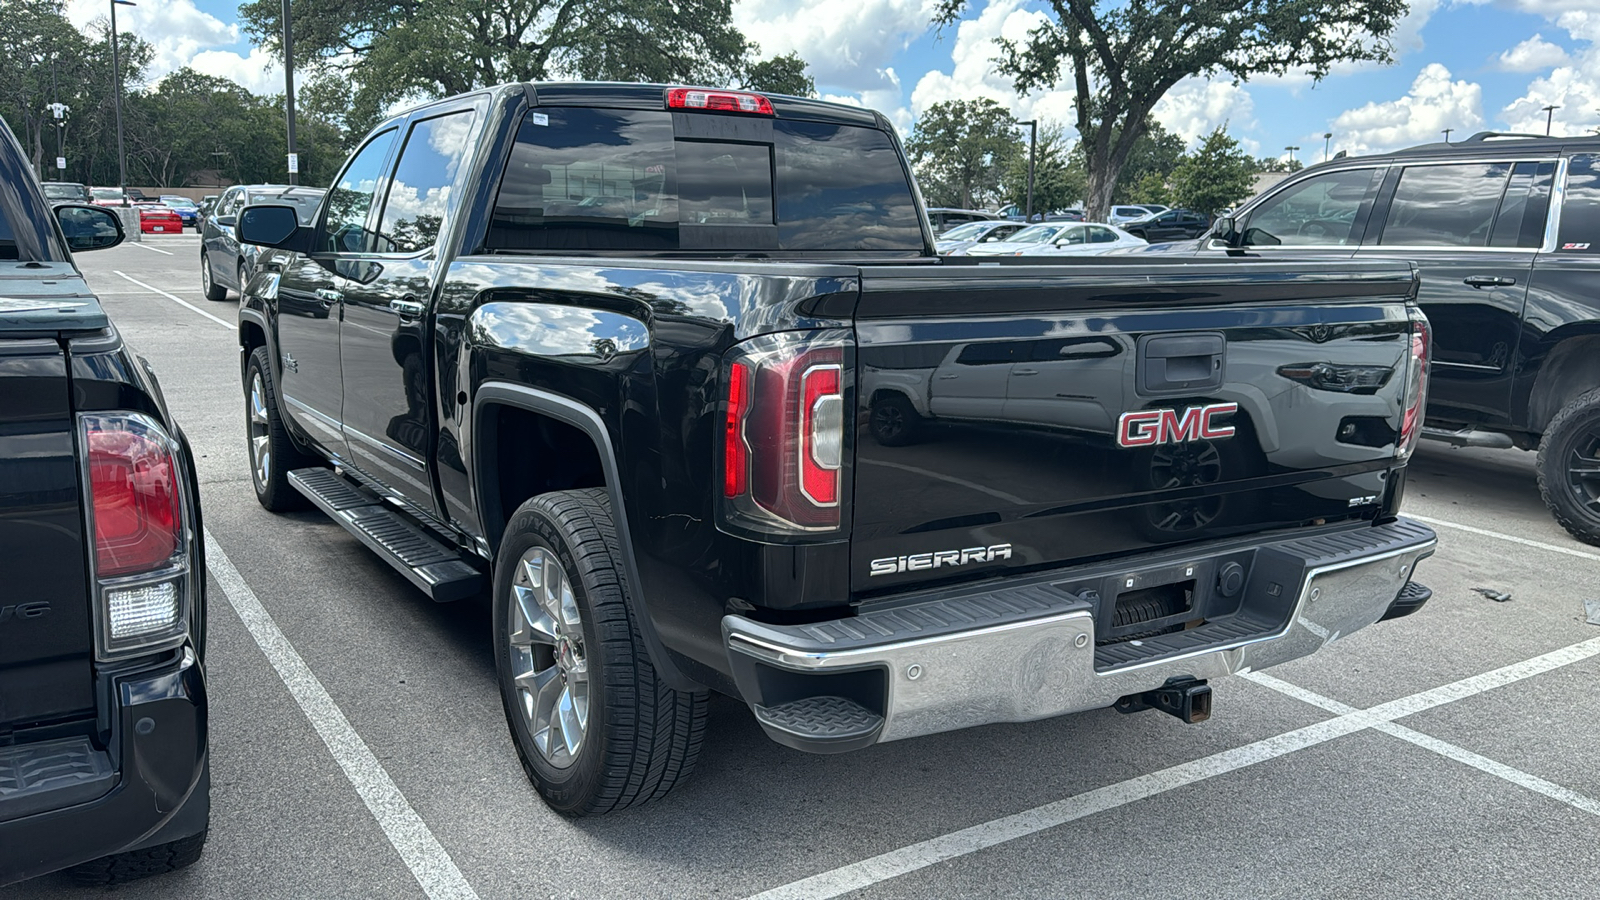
pixel 989 354
pixel 1520 221
pixel 842 188
pixel 1445 206
pixel 420 190
pixel 304 201
pixel 1321 210
pixel 724 184
pixel 8 237
pixel 1580 213
pixel 350 199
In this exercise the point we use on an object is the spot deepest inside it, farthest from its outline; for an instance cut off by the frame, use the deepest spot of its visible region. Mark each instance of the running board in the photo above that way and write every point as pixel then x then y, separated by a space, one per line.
pixel 442 573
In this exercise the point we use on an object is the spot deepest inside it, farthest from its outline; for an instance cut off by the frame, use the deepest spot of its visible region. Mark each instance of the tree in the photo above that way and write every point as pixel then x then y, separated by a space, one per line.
pixel 1058 176
pixel 394 50
pixel 1151 161
pixel 961 148
pixel 780 75
pixel 1216 176
pixel 1122 57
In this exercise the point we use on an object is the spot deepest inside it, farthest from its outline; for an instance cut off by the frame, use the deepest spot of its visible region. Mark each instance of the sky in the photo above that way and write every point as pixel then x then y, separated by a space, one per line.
pixel 1467 65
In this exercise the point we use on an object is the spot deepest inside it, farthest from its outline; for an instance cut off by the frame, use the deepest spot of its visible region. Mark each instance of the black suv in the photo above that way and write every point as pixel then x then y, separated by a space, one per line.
pixel 1506 231
pixel 1172 225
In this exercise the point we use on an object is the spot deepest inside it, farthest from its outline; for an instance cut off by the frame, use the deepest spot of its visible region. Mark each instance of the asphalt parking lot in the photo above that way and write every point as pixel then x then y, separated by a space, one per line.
pixel 359 749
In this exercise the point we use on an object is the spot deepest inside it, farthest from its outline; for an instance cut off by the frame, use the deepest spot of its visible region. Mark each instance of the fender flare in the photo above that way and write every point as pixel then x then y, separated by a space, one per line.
pixel 570 412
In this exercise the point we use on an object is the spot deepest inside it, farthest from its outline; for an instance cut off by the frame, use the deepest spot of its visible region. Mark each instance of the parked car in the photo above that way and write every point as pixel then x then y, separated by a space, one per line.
pixel 958 239
pixel 108 196
pixel 103 760
pixel 66 192
pixel 158 218
pixel 653 463
pixel 945 218
pixel 1121 215
pixel 1154 207
pixel 225 264
pixel 1085 240
pixel 1029 238
pixel 207 204
pixel 186 209
pixel 1015 214
pixel 1505 230
pixel 1172 225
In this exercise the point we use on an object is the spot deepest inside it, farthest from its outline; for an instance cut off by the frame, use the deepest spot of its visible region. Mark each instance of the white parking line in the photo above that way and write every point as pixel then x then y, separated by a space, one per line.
pixel 1443 748
pixel 1553 548
pixel 174 298
pixel 868 872
pixel 422 853
pixel 141 246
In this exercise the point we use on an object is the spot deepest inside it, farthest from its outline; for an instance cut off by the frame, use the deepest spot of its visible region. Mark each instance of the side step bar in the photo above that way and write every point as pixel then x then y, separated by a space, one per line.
pixel 438 570
pixel 1468 437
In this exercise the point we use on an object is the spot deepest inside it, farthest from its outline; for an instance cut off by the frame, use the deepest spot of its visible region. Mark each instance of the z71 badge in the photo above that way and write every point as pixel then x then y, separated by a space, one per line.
pixel 1148 427
pixel 916 562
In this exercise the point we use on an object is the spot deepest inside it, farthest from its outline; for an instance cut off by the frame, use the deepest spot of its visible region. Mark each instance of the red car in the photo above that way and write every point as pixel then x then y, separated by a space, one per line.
pixel 154 218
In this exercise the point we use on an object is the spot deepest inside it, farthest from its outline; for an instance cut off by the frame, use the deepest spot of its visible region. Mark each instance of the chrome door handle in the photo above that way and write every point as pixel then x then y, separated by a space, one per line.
pixel 409 309
pixel 1021 372
pixel 948 377
pixel 328 295
pixel 1479 281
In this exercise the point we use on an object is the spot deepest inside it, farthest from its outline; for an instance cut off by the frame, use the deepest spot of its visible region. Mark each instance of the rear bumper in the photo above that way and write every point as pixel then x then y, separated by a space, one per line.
pixel 154 780
pixel 1029 650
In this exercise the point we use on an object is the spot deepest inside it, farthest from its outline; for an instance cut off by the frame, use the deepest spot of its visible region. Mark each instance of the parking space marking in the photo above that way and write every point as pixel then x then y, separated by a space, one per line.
pixel 141 246
pixel 1443 748
pixel 422 853
pixel 174 298
pixel 867 872
pixel 1553 548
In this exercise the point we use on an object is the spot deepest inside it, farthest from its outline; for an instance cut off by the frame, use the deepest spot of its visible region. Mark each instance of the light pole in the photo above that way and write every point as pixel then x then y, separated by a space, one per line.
pixel 288 92
pixel 116 96
pixel 1549 117
pixel 1447 134
pixel 60 110
pixel 1033 148
pixel 1291 154
pixel 1327 144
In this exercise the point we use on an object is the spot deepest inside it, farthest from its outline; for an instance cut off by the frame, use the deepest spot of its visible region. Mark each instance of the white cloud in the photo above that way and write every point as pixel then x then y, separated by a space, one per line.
pixel 1573 88
pixel 1532 55
pixel 885 97
pixel 175 29
pixel 1433 104
pixel 846 43
pixel 259 72
pixel 973 74
pixel 1196 106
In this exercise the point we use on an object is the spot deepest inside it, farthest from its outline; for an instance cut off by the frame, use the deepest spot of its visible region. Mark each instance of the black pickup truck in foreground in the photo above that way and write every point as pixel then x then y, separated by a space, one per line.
pixel 676 375
pixel 103 759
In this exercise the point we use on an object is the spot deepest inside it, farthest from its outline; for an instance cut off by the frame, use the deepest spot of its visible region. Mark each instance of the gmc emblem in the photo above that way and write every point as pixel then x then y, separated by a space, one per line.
pixel 1149 427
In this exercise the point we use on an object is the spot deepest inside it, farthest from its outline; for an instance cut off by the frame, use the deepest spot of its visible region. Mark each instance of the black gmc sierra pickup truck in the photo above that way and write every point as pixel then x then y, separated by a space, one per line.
pixel 677 376
pixel 103 753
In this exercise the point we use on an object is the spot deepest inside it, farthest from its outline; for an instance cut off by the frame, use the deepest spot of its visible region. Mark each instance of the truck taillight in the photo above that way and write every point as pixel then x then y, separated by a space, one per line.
pixel 1416 397
pixel 134 492
pixel 783 448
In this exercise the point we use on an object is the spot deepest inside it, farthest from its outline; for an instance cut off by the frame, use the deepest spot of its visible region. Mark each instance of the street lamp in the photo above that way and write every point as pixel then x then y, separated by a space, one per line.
pixel 116 95
pixel 1291 153
pixel 288 93
pixel 59 111
pixel 1327 144
pixel 1447 134
pixel 1549 116
pixel 1033 148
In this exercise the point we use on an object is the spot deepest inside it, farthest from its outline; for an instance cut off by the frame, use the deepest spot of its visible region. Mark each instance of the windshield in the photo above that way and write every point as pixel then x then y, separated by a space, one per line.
pixel 184 202
pixel 1034 234
pixel 305 202
pixel 63 191
pixel 967 232
pixel 106 193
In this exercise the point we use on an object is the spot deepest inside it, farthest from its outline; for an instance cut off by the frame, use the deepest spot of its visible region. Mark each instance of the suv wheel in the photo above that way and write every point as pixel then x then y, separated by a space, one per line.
pixel 213 290
pixel 136 864
pixel 1569 467
pixel 595 729
pixel 895 421
pixel 272 453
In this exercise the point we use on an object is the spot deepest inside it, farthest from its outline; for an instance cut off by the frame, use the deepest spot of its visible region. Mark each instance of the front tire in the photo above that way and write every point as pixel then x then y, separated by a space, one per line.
pixel 209 284
pixel 136 864
pixel 1569 467
pixel 272 453
pixel 594 726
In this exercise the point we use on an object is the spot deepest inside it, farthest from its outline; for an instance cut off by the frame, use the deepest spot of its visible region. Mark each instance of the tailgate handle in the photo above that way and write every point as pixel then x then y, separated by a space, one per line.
pixel 1171 363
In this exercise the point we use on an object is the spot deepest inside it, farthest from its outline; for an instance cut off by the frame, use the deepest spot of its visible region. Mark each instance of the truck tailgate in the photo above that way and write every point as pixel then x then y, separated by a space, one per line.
pixel 1021 417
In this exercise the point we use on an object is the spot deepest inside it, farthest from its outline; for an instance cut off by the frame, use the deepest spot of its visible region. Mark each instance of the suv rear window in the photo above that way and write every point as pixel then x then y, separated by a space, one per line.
pixel 622 180
pixel 1580 213
pixel 1446 206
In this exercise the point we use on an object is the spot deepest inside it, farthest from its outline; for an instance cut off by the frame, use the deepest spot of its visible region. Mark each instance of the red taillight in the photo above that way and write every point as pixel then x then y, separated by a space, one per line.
pixel 1416 384
pixel 134 496
pixel 783 448
pixel 718 101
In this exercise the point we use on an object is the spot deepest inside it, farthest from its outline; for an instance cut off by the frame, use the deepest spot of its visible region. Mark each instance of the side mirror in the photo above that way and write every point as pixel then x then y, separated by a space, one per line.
pixel 227 221
pixel 89 227
pixel 269 226
pixel 1226 230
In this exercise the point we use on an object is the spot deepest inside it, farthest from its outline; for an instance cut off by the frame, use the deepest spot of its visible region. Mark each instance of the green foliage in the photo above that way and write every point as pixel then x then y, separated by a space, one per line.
pixel 1155 154
pixel 1122 57
pixel 961 150
pixel 780 75
pixel 1216 176
pixel 1058 178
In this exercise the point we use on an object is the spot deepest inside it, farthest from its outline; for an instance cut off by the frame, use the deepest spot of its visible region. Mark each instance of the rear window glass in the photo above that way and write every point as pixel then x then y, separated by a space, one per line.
pixel 623 180
pixel 1580 213
pixel 1446 206
pixel 8 237
pixel 304 201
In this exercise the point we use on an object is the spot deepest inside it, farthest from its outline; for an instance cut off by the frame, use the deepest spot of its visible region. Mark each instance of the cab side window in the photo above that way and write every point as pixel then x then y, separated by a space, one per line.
pixel 1319 211
pixel 1445 206
pixel 350 199
pixel 1099 235
pixel 423 182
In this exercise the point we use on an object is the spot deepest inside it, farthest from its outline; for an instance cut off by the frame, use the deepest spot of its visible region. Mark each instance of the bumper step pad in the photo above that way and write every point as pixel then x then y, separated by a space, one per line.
pixel 1411 598
pixel 441 572
pixel 51 775
pixel 837 721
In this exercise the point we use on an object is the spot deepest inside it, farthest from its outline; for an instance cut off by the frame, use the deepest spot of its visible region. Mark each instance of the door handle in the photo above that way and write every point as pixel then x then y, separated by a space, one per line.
pixel 329 296
pixel 1020 372
pixel 1483 281
pixel 948 377
pixel 407 308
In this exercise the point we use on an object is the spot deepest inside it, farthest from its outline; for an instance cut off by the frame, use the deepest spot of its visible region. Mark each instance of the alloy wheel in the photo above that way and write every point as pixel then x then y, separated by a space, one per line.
pixel 549 666
pixel 260 431
pixel 1583 471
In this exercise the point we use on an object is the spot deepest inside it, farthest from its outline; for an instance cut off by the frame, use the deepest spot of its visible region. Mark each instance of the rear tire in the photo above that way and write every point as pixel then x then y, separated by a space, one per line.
pixel 136 864
pixel 209 284
pixel 1569 467
pixel 595 728
pixel 272 453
